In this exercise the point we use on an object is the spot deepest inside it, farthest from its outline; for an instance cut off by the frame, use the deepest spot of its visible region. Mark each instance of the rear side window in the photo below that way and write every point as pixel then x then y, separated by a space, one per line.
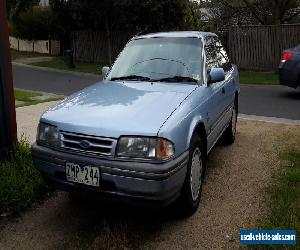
pixel 216 56
pixel 211 53
pixel 223 59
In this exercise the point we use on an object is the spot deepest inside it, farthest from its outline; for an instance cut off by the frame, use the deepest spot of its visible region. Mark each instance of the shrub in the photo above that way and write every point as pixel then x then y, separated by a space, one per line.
pixel 20 182
pixel 34 24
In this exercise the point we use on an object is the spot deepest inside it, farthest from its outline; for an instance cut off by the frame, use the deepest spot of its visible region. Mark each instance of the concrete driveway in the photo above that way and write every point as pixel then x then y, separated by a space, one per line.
pixel 269 101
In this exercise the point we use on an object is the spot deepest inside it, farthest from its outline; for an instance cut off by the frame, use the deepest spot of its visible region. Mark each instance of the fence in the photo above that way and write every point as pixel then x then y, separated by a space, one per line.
pixel 92 46
pixel 50 47
pixel 260 47
pixel 250 47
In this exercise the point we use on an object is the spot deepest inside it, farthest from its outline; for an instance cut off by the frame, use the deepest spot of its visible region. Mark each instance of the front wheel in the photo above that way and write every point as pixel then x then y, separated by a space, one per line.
pixel 191 192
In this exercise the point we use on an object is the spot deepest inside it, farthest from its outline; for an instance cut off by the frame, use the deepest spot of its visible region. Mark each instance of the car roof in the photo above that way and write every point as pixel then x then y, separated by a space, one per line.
pixel 177 34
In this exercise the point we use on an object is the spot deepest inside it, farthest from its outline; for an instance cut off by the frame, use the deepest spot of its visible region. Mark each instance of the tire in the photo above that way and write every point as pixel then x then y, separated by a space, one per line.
pixel 230 132
pixel 191 192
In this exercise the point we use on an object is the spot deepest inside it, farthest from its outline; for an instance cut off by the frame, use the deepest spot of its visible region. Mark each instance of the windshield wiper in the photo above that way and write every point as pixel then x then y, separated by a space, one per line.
pixel 177 79
pixel 132 78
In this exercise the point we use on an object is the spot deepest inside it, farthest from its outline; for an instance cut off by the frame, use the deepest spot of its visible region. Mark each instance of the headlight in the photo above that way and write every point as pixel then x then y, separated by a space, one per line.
pixel 48 134
pixel 145 148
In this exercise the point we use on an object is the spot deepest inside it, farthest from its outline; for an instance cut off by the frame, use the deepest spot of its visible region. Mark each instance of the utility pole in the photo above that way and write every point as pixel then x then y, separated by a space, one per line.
pixel 8 125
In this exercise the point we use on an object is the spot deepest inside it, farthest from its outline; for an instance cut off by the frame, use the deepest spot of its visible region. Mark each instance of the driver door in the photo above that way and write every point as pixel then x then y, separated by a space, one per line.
pixel 216 95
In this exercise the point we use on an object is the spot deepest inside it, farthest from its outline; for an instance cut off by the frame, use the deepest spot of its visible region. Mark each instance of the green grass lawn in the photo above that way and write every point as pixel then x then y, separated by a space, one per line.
pixel 285 197
pixel 258 78
pixel 19 54
pixel 25 97
pixel 20 182
pixel 58 63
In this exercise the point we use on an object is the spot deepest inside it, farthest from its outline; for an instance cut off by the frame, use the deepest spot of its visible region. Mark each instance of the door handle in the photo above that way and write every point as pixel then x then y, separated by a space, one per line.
pixel 223 90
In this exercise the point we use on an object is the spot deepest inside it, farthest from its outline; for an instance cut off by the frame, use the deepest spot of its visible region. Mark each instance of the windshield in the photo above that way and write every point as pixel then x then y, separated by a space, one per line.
pixel 155 59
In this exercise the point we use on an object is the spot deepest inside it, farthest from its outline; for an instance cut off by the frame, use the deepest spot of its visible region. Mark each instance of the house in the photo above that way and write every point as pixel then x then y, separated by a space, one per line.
pixel 44 3
pixel 206 15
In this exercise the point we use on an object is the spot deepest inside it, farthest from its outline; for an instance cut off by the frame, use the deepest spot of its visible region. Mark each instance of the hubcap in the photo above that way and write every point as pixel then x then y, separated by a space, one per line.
pixel 233 122
pixel 196 174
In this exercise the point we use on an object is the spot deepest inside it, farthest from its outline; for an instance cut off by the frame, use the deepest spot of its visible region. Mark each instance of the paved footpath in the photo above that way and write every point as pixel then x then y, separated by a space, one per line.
pixel 28 119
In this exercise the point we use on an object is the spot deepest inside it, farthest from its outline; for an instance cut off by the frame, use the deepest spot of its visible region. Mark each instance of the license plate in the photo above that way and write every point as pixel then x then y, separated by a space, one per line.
pixel 86 175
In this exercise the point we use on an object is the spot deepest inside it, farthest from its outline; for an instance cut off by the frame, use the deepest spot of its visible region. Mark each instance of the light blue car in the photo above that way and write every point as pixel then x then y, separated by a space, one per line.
pixel 143 134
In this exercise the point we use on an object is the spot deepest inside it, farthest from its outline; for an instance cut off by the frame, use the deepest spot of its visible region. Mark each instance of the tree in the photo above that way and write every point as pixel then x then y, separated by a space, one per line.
pixel 167 15
pixel 34 24
pixel 63 21
pixel 155 15
pixel 104 15
pixel 9 5
pixel 265 12
pixel 131 15
pixel 273 12
pixel 19 6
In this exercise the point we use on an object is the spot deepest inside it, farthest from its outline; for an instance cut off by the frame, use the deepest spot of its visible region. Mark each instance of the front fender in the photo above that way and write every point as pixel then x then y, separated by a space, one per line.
pixel 181 133
pixel 196 121
pixel 179 128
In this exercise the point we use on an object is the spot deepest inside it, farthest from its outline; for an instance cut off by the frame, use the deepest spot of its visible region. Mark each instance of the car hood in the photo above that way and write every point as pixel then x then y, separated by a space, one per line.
pixel 112 109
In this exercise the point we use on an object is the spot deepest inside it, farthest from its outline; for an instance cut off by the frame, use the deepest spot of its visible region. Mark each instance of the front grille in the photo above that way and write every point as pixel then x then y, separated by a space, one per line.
pixel 88 144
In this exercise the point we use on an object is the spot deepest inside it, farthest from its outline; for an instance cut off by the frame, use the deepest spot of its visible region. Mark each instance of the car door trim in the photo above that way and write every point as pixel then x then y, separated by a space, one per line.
pixel 224 119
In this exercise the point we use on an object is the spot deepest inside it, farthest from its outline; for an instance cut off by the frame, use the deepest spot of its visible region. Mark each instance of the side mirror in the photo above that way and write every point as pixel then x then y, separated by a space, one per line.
pixel 216 75
pixel 105 71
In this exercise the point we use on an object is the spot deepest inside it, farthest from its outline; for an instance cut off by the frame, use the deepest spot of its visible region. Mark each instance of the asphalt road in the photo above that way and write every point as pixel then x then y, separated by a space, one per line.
pixel 39 79
pixel 269 101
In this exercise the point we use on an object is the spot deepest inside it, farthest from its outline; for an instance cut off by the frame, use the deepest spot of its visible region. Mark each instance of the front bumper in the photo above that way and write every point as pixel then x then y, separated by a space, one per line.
pixel 121 180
